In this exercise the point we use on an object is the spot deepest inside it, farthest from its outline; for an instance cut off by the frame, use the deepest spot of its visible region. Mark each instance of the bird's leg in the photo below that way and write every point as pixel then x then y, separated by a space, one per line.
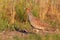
pixel 38 30
pixel 35 30
pixel 57 30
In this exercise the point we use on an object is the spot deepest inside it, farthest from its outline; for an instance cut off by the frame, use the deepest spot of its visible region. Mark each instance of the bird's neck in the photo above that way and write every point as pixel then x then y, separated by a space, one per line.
pixel 30 16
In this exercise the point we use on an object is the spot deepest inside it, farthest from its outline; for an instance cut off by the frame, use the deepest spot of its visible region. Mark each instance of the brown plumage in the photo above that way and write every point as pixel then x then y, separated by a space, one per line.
pixel 35 22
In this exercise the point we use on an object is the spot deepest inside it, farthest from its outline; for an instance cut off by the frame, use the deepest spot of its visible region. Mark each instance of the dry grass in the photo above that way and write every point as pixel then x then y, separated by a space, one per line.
pixel 47 12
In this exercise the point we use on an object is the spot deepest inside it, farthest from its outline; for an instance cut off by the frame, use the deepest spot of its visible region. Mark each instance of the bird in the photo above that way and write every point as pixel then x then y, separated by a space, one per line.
pixel 35 22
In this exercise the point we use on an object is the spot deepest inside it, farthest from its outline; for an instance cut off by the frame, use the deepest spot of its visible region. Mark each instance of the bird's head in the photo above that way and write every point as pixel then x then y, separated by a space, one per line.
pixel 28 10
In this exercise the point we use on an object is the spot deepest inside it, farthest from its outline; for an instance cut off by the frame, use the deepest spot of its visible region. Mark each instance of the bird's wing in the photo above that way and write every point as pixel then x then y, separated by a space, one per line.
pixel 40 23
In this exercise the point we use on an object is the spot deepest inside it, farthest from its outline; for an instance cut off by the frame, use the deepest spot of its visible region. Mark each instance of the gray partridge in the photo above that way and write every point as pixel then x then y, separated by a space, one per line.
pixel 35 22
